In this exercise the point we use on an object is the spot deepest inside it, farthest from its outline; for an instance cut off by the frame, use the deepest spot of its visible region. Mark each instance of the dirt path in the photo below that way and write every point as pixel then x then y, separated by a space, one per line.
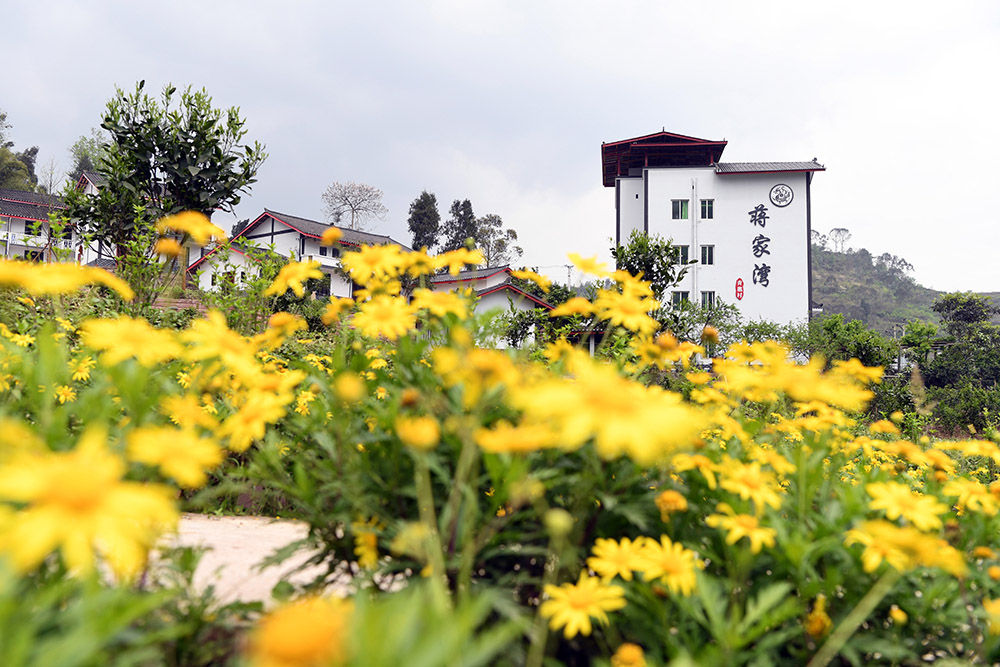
pixel 235 545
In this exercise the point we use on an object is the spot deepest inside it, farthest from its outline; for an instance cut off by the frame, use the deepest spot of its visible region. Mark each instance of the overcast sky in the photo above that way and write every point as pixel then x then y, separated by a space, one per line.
pixel 507 103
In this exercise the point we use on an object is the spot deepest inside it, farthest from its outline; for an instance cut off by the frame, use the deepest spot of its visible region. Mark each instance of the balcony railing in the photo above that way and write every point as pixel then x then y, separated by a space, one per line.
pixel 34 241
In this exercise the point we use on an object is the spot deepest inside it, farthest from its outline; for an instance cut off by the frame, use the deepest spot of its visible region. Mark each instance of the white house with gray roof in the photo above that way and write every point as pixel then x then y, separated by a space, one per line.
pixel 494 288
pixel 746 225
pixel 289 236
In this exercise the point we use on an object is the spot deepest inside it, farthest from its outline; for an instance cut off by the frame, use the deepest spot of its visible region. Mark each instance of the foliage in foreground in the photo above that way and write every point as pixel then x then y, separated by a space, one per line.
pixel 485 506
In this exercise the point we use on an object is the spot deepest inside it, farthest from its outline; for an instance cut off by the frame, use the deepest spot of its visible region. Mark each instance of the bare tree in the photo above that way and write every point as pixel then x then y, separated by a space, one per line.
pixel 839 236
pixel 49 178
pixel 357 202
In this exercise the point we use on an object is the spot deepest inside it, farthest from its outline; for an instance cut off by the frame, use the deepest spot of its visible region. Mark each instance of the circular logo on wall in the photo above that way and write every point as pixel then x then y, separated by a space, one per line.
pixel 781 195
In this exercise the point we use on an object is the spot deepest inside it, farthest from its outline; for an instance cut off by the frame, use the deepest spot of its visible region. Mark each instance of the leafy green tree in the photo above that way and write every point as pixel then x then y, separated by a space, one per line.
pixel 164 156
pixel 424 221
pixel 499 245
pixel 836 338
pixel 87 153
pixel 962 311
pixel 13 173
pixel 653 257
pixel 459 227
pixel 918 340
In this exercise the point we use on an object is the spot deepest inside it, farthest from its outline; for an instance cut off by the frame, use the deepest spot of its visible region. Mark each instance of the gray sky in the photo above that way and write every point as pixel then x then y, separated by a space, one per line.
pixel 506 103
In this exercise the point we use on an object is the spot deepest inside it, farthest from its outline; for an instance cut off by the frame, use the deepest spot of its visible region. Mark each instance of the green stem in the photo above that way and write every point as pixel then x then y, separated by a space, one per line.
pixel 540 630
pixel 425 504
pixel 466 460
pixel 861 611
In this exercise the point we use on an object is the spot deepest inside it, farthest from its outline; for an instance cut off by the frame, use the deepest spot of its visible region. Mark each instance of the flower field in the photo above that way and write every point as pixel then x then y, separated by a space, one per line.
pixel 483 506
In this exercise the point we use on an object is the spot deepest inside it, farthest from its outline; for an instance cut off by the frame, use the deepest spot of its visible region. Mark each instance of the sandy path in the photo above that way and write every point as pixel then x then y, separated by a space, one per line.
pixel 235 545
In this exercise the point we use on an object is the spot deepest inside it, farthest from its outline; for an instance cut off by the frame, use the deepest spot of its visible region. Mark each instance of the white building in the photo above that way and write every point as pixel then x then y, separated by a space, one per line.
pixel 288 236
pixel 747 224
pixel 493 286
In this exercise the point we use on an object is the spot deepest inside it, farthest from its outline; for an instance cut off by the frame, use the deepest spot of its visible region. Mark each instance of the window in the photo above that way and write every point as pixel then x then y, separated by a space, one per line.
pixel 682 253
pixel 322 251
pixel 708 254
pixel 707 209
pixel 679 209
pixel 677 298
pixel 708 299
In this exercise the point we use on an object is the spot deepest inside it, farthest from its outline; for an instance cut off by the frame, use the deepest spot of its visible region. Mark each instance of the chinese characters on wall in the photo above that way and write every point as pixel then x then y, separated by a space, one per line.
pixel 759 247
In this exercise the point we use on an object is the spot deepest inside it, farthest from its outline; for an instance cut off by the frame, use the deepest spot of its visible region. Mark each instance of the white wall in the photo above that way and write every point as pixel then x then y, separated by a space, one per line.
pixel 730 231
pixel 631 207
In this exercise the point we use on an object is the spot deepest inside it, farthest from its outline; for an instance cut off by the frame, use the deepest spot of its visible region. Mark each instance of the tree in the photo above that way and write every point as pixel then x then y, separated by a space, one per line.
pixel 13 173
pixel 652 256
pixel 839 236
pixel 362 202
pixel 459 227
pixel 87 153
pixel 819 240
pixel 165 156
pixel 424 221
pixel 4 126
pixel 496 243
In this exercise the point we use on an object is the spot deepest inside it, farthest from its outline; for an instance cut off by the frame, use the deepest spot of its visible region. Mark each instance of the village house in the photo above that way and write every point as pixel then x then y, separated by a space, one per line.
pixel 746 225
pixel 493 286
pixel 288 236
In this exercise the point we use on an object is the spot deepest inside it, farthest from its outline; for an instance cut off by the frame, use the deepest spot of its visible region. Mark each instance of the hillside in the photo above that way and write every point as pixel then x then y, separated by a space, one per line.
pixel 877 290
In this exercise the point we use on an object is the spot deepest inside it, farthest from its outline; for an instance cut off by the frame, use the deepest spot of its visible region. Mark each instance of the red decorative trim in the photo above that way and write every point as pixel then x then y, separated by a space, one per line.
pixel 312 236
pixel 662 134
pixel 508 286
pixel 18 217
pixel 466 280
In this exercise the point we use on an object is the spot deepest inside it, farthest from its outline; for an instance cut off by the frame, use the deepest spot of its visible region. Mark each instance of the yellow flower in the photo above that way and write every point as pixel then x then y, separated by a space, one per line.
pixel 331 236
pixel 897 615
pixel 58 278
pixel 249 423
pixel 972 495
pixel 440 303
pixel 818 622
pixel 671 563
pixel 613 558
pixel 626 310
pixel 421 433
pixel 540 280
pixel 751 483
pixel 571 606
pixel 456 260
pixel 349 387
pixel 589 265
pixel 309 632
pixel 575 306
pixel 194 224
pixel 741 525
pixel 365 543
pixel 506 438
pixel 167 246
pixel 77 501
pixel 333 309
pixel 65 394
pixel 992 608
pixel 82 368
pixel 883 426
pixel 903 547
pixel 124 338
pixel 374 263
pixel 385 316
pixel 628 655
pixel 898 500
pixel 670 501
pixel 291 276
pixel 187 411
pixel 179 453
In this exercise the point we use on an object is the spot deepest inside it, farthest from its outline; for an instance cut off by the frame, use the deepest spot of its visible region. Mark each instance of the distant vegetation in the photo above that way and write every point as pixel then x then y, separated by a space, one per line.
pixel 876 289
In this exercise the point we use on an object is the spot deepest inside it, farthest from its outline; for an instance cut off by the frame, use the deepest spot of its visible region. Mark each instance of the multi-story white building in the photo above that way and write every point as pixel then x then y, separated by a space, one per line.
pixel 745 224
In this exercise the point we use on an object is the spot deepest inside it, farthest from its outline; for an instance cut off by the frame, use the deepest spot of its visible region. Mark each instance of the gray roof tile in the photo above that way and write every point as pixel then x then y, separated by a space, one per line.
pixel 766 167
pixel 352 236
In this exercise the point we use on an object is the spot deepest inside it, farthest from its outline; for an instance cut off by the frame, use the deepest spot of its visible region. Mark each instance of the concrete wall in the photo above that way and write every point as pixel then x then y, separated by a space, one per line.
pixel 732 232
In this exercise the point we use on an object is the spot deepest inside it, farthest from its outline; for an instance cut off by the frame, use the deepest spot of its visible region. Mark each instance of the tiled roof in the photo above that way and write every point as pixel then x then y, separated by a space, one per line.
pixel 510 287
pixel 471 274
pixel 103 263
pixel 315 228
pixel 27 205
pixel 97 179
pixel 766 167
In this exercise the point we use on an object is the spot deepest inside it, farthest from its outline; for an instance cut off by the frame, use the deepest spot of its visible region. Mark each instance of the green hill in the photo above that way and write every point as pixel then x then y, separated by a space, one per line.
pixel 878 290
